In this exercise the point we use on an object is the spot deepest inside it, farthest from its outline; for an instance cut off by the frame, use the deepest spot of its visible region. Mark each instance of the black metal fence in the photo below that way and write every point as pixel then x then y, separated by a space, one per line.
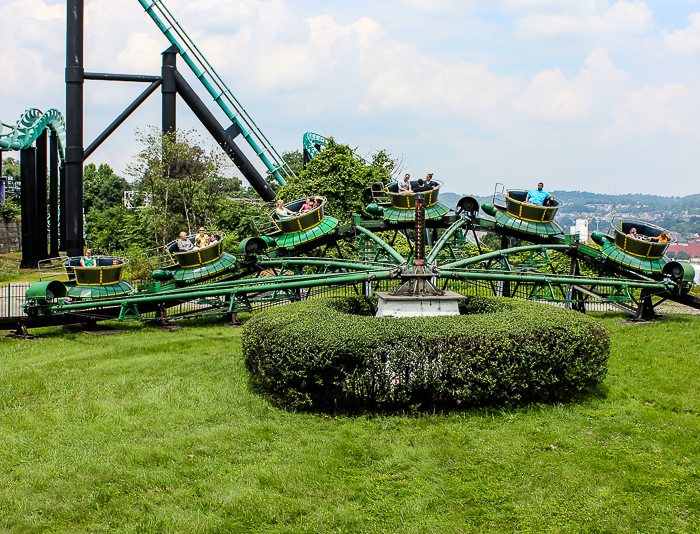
pixel 12 297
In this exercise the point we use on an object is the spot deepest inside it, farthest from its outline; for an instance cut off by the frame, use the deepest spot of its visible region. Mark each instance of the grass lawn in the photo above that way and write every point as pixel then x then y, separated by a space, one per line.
pixel 152 431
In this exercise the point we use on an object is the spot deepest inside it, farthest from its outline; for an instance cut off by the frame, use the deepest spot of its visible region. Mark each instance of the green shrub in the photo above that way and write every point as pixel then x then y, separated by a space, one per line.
pixel 10 210
pixel 333 354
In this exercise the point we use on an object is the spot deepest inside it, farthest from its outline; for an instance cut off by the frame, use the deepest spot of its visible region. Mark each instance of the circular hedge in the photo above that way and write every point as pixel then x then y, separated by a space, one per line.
pixel 333 354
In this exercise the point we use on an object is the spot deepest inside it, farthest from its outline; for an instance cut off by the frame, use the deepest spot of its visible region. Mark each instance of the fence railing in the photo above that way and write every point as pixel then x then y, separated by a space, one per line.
pixel 12 297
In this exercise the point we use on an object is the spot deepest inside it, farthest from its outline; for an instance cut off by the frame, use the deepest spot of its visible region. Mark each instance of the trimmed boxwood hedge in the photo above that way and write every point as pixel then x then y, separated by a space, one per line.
pixel 334 355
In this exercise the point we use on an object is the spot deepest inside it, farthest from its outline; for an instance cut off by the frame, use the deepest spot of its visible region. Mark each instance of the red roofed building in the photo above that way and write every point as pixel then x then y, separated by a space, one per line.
pixel 691 248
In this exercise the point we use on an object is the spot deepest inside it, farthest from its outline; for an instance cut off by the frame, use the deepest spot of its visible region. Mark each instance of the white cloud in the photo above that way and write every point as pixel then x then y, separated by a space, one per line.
pixel 551 97
pixel 686 41
pixel 668 110
pixel 589 19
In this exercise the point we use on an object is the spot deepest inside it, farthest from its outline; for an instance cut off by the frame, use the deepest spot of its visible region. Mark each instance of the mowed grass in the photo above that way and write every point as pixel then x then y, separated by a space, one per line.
pixel 152 431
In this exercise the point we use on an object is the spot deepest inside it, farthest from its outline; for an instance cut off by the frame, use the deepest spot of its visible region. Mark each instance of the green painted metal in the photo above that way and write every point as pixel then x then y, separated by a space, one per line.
pixel 551 279
pixel 501 253
pixel 396 215
pixel 328 263
pixel 644 265
pixel 93 292
pixel 29 126
pixel 311 140
pixel 226 262
pixel 214 290
pixel 444 239
pixel 391 252
pixel 544 229
pixel 216 87
pixel 47 290
pixel 290 241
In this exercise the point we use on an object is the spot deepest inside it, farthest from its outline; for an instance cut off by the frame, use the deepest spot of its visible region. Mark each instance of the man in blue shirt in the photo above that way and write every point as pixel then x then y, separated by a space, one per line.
pixel 538 196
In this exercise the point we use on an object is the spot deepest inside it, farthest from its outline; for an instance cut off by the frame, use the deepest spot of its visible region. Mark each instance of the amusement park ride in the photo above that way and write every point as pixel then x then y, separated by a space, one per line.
pixel 630 272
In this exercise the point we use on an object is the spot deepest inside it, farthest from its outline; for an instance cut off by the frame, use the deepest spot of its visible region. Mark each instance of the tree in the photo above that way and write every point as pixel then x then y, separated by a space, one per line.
pixel 181 180
pixel 682 255
pixel 295 160
pixel 102 189
pixel 10 167
pixel 342 178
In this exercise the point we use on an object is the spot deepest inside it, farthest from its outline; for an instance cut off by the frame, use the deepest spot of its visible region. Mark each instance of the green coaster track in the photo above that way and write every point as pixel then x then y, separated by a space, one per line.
pixel 30 126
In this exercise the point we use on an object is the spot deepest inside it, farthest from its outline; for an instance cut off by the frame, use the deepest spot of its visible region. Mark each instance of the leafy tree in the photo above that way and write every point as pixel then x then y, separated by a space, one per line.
pixel 682 255
pixel 182 182
pixel 342 178
pixel 115 229
pixel 10 167
pixel 102 189
pixel 295 160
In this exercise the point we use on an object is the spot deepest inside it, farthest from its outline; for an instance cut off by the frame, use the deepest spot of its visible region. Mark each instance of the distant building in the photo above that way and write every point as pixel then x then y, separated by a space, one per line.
pixel 691 248
pixel 580 229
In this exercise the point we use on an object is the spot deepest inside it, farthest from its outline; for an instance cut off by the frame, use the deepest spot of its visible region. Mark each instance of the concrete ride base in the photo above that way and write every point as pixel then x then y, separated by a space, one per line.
pixel 411 306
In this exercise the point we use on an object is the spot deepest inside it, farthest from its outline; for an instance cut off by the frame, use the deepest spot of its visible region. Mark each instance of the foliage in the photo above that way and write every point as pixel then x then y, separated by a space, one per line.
pixel 115 229
pixel 342 178
pixel 159 431
pixel 181 181
pixel 10 210
pixel 332 354
pixel 102 189
pixel 10 167
pixel 682 255
pixel 295 160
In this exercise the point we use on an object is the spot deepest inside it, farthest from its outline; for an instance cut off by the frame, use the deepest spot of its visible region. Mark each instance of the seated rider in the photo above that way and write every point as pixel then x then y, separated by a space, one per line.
pixel 200 240
pixel 405 184
pixel 429 181
pixel 184 244
pixel 663 238
pixel 421 187
pixel 308 205
pixel 282 212
pixel 87 260
pixel 539 196
pixel 633 233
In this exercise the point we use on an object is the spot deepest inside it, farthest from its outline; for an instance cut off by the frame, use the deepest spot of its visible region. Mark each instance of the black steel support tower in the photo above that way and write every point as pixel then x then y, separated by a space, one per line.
pixel 53 194
pixel 169 91
pixel 73 206
pixel 42 166
pixel 27 157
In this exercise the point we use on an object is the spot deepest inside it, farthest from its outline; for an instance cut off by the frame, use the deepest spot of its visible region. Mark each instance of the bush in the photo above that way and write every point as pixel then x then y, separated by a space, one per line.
pixel 10 210
pixel 333 354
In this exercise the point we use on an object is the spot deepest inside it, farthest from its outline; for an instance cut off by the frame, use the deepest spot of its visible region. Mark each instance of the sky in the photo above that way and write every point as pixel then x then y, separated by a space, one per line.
pixel 589 95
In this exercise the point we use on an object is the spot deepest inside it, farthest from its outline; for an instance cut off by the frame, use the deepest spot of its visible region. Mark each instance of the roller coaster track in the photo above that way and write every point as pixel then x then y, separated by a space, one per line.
pixel 30 126
pixel 216 87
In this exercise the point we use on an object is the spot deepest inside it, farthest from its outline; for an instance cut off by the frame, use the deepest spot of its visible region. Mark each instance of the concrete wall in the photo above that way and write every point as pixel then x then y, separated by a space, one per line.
pixel 10 236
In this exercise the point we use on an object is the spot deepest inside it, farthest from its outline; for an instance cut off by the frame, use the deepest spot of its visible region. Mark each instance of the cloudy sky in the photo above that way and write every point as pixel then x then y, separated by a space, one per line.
pixel 590 95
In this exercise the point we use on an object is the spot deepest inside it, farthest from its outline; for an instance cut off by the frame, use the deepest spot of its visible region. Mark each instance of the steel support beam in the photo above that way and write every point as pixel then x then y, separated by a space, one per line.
pixel 27 157
pixel 223 139
pixel 169 90
pixel 74 128
pixel 42 166
pixel 121 118
pixel 101 76
pixel 53 194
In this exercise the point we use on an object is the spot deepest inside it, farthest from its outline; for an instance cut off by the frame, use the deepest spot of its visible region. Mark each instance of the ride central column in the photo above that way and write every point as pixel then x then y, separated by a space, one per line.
pixel 75 75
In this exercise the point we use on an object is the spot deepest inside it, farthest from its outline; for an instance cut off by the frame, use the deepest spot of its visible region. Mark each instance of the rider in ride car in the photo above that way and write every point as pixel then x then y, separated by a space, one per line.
pixel 87 260
pixel 539 196
pixel 200 240
pixel 184 244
